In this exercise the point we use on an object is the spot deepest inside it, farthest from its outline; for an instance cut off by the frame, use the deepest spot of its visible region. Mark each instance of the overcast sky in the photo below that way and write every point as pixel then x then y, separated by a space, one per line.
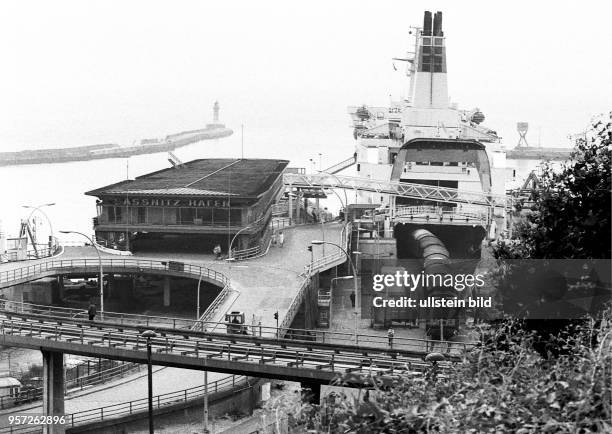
pixel 77 72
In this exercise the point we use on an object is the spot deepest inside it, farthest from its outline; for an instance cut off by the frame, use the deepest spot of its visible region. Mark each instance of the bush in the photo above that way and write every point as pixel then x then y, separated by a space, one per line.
pixel 502 386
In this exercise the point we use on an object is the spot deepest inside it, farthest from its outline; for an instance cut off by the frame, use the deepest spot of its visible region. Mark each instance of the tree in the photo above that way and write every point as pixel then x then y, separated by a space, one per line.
pixel 570 217
pixel 502 386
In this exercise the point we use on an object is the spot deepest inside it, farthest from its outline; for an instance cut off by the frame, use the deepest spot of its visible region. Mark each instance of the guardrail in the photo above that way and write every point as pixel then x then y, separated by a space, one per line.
pixel 94 377
pixel 235 383
pixel 254 252
pixel 338 167
pixel 12 255
pixel 270 332
pixel 437 214
pixel 205 319
pixel 50 267
pixel 159 401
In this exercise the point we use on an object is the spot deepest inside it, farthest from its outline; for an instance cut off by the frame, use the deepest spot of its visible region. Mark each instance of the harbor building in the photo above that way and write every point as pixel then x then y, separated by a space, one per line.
pixel 191 207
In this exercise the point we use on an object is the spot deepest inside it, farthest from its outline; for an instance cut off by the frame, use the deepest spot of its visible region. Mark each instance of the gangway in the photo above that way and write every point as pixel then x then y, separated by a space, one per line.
pixel 397 189
pixel 339 167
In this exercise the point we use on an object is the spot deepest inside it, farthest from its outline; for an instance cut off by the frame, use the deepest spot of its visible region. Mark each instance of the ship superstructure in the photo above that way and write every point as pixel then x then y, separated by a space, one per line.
pixel 427 142
pixel 424 138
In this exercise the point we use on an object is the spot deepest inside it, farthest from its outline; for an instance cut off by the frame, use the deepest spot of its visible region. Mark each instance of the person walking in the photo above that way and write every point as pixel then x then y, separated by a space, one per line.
pixel 390 335
pixel 281 238
pixel 352 297
pixel 91 311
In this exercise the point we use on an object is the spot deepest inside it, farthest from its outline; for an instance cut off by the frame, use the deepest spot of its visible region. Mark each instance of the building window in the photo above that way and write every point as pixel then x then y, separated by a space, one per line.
pixel 188 216
pixel 206 215
pixel 221 216
pixel 141 216
pixel 155 216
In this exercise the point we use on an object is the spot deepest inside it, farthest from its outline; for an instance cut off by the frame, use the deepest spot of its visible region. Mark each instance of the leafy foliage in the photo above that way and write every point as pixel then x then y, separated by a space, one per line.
pixel 570 217
pixel 502 386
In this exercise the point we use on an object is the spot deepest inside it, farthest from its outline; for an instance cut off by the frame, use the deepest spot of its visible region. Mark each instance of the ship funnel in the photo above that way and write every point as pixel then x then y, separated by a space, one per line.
pixel 437 24
pixel 427 24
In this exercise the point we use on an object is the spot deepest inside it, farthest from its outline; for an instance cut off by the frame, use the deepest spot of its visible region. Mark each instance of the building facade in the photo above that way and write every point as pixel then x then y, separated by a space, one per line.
pixel 191 207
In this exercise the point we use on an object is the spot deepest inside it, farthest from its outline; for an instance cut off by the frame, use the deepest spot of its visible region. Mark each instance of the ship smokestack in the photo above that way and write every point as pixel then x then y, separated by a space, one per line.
pixel 427 24
pixel 437 24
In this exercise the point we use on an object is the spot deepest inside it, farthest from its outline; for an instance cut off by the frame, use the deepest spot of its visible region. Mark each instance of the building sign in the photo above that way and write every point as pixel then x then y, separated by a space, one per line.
pixel 169 202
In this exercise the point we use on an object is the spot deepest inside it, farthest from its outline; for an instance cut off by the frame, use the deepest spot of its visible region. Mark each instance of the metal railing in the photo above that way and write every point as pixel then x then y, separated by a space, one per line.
pixel 280 209
pixel 159 401
pixel 344 164
pixel 95 376
pixel 437 214
pixel 270 332
pixel 235 383
pixel 399 189
pixel 205 319
pixel 257 251
pixel 51 267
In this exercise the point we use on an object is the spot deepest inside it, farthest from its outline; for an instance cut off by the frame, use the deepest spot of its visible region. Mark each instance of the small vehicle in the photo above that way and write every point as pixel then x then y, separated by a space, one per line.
pixel 235 323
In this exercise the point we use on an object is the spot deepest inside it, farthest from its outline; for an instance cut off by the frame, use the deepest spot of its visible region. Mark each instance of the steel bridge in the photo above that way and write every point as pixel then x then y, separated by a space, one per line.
pixel 398 189
pixel 287 359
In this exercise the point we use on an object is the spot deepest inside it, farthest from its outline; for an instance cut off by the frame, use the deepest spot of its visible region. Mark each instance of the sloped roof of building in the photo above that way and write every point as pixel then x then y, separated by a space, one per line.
pixel 244 178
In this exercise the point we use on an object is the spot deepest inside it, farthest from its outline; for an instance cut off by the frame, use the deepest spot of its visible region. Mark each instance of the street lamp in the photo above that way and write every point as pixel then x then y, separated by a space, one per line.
pixel 38 208
pixel 148 334
pixel 357 294
pixel 345 203
pixel 229 252
pixel 101 273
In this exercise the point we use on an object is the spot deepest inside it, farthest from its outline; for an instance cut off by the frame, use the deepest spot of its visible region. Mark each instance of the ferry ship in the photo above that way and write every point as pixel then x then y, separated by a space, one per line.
pixel 425 139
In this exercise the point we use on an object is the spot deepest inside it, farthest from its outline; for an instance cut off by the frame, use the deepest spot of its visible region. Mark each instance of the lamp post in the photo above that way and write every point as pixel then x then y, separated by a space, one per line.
pixel 345 203
pixel 101 272
pixel 229 253
pixel 38 208
pixel 198 299
pixel 148 334
pixel 357 294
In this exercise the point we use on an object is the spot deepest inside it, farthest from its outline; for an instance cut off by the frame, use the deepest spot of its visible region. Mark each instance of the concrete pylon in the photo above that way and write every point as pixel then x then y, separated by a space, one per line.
pixel 166 291
pixel 53 389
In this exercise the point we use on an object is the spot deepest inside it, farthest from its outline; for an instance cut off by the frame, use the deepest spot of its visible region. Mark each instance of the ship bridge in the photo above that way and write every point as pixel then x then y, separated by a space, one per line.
pixel 440 151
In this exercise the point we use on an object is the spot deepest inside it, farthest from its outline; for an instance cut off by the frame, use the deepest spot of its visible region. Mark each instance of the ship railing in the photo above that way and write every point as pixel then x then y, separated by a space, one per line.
pixel 466 210
pixel 417 168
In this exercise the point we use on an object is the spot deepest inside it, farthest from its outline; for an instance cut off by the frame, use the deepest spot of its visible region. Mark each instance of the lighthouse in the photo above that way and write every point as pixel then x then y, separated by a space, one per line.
pixel 215 123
